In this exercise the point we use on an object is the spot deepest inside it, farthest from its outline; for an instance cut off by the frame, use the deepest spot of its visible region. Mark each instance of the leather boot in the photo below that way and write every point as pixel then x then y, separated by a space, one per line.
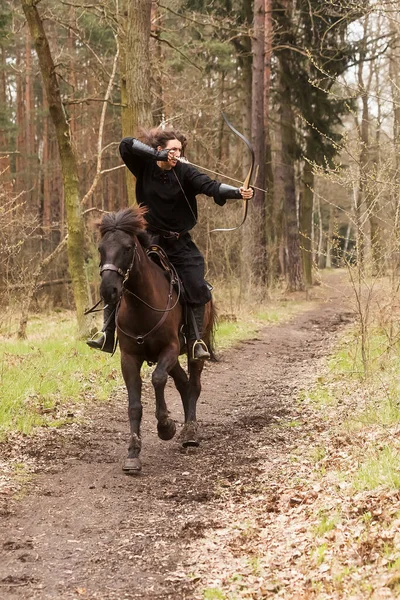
pixel 105 339
pixel 198 348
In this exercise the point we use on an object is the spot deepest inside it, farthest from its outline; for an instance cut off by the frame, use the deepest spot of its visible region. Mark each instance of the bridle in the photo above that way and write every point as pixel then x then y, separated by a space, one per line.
pixel 124 274
pixel 174 280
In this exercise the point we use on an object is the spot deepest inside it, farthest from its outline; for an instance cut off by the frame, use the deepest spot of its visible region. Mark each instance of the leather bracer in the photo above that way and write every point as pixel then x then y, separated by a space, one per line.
pixel 146 151
pixel 228 192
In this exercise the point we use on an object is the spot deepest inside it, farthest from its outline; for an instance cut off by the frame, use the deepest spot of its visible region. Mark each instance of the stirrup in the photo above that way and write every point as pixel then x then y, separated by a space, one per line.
pixel 100 343
pixel 200 344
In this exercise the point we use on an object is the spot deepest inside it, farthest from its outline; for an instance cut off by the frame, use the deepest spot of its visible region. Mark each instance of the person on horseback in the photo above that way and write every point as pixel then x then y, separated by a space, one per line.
pixel 167 186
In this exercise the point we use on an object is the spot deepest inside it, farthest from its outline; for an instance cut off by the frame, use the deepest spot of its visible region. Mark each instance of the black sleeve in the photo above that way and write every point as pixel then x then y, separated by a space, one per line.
pixel 203 184
pixel 135 154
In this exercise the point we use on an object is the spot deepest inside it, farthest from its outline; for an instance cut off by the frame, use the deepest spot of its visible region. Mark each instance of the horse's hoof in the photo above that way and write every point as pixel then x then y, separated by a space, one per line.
pixel 189 436
pixel 167 430
pixel 132 466
pixel 190 443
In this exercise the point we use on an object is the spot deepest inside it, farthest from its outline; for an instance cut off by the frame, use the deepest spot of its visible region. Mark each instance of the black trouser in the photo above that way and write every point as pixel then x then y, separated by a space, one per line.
pixel 189 264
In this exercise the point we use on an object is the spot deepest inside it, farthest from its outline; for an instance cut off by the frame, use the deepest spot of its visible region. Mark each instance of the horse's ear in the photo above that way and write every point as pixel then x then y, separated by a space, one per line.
pixel 142 211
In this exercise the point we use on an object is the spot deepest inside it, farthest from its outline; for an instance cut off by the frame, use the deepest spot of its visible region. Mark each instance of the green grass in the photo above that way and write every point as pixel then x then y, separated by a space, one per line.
pixel 326 523
pixel 345 374
pixel 383 411
pixel 321 395
pixel 380 356
pixel 229 333
pixel 376 402
pixel 380 468
pixel 42 377
pixel 213 594
pixel 318 554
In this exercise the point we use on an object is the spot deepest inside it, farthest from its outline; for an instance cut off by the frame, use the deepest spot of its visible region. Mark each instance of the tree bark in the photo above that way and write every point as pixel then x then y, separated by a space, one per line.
pixel 271 225
pixel 258 139
pixel 365 168
pixel 157 61
pixel 294 267
pixel 306 217
pixel 135 73
pixel 76 239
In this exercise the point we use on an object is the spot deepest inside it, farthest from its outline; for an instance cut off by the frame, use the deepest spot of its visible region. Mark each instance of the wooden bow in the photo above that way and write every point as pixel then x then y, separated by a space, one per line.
pixel 246 182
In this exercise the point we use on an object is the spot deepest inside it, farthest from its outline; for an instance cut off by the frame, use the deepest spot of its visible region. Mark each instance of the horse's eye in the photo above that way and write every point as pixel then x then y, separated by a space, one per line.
pixel 127 249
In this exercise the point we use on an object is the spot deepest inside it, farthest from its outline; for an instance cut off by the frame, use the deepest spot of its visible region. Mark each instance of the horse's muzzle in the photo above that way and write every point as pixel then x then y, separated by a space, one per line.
pixel 110 288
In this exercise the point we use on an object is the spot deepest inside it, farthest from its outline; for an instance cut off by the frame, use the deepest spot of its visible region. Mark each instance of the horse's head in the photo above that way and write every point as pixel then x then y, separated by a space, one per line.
pixel 118 248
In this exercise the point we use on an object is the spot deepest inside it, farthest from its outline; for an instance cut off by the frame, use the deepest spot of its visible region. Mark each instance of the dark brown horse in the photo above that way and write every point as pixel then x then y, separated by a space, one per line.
pixel 149 321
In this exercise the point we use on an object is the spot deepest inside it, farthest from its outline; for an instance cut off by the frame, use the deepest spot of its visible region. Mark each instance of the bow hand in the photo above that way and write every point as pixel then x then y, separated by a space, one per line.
pixel 246 193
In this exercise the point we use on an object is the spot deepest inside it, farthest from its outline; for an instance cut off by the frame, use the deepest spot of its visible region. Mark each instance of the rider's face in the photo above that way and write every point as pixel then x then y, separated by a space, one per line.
pixel 175 149
pixel 174 145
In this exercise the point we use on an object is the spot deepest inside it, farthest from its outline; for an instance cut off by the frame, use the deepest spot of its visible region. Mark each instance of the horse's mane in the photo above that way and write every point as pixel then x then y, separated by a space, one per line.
pixel 129 220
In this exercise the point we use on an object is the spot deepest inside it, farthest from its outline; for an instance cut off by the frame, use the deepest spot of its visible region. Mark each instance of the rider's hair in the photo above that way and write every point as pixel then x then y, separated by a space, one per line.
pixel 159 137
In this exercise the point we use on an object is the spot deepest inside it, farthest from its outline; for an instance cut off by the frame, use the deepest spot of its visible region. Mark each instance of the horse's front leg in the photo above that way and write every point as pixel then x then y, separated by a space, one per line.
pixel 189 390
pixel 131 366
pixel 166 427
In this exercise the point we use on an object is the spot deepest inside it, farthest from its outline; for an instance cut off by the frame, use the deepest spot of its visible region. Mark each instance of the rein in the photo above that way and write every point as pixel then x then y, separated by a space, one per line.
pixel 173 279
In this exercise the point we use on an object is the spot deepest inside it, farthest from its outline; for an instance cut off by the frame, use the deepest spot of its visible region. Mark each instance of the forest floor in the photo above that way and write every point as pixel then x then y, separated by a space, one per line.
pixel 255 512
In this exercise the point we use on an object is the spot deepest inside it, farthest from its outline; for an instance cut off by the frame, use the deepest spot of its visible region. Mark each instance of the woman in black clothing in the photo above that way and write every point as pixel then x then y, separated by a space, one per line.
pixel 168 188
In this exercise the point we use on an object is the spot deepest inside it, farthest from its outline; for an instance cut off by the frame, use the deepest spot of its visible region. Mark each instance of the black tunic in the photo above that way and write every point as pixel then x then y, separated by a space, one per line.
pixel 170 197
pixel 161 192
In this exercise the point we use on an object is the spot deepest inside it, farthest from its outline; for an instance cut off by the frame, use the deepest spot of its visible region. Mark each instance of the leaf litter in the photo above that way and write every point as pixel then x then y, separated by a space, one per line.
pixel 266 508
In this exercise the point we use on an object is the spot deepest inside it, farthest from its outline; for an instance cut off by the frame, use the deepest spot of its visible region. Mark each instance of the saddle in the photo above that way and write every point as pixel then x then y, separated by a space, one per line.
pixel 159 256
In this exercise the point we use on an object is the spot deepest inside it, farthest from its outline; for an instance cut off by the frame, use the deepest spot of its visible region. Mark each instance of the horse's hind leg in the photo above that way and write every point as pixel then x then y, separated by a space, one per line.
pixel 166 427
pixel 130 366
pixel 189 390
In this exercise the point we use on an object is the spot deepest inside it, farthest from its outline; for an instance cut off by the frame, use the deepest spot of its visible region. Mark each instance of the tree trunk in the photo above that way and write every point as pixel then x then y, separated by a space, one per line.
pixel 135 73
pixel 306 218
pixel 271 225
pixel 20 163
pixel 76 239
pixel 157 61
pixel 394 67
pixel 258 139
pixel 29 146
pixel 295 273
pixel 329 237
pixel 364 187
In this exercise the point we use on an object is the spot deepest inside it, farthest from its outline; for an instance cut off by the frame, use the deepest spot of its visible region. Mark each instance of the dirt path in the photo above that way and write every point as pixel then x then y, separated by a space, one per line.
pixel 85 530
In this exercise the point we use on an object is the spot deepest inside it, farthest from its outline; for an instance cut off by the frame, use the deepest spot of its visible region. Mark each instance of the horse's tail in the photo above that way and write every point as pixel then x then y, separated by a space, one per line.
pixel 210 330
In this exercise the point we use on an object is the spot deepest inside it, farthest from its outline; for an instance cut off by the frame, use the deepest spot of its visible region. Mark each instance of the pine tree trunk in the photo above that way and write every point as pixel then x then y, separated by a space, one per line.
pixel 294 267
pixel 135 74
pixel 32 197
pixel 157 61
pixel 394 66
pixel 306 217
pixel 20 164
pixel 329 238
pixel 258 140
pixel 271 226
pixel 4 137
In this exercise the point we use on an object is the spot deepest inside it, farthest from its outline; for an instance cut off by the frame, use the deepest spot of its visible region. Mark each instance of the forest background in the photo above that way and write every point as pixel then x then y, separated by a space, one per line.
pixel 313 85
